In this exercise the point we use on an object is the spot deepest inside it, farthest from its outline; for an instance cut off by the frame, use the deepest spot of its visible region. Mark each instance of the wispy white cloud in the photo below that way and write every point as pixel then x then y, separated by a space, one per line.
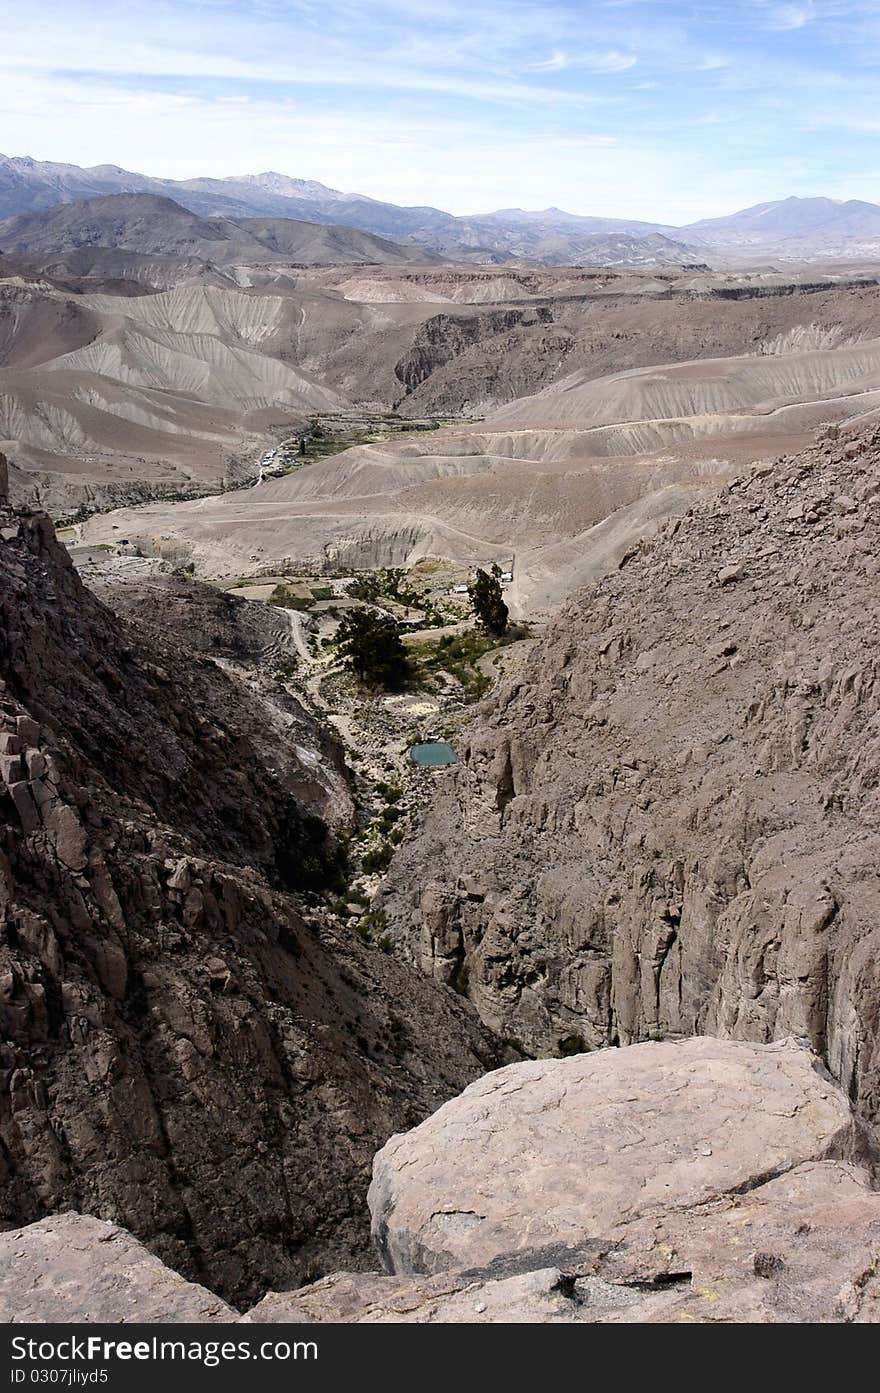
pixel 552 64
pixel 611 62
pixel 655 108
pixel 787 17
pixel 134 58
pixel 607 61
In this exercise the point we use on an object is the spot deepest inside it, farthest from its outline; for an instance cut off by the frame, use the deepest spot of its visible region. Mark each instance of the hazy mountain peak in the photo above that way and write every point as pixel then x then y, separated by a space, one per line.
pixel 815 226
pixel 821 224
pixel 287 186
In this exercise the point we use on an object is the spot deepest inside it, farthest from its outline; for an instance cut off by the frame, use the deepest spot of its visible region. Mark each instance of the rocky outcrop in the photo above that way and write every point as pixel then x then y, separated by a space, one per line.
pixel 802 1248
pixel 73 1269
pixel 186 1047
pixel 615 1189
pixel 655 1183
pixel 251 641
pixel 667 824
pixel 556 1152
pixel 444 337
pixel 468 361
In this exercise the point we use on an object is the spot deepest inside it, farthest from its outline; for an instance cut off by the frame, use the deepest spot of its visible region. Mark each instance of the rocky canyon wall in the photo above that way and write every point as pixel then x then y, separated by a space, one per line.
pixel 667 824
pixel 186 1047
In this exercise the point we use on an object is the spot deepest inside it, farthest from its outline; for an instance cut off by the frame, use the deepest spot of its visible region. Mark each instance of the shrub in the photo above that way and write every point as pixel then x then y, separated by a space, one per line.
pixel 308 856
pixel 373 923
pixel 285 669
pixel 392 793
pixel 378 860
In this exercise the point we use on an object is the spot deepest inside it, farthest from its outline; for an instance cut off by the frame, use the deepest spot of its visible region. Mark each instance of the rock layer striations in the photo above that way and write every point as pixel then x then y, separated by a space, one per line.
pixel 667 824
pixel 184 1049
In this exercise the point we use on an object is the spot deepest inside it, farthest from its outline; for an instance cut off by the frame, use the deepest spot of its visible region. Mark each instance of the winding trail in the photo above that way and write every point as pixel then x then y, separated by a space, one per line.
pixel 314 672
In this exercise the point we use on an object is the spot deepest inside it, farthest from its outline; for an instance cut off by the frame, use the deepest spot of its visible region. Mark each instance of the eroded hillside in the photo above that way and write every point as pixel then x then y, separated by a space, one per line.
pixel 564 481
pixel 139 372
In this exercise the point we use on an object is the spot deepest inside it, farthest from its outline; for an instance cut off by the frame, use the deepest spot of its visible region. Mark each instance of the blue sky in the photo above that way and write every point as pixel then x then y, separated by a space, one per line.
pixel 664 110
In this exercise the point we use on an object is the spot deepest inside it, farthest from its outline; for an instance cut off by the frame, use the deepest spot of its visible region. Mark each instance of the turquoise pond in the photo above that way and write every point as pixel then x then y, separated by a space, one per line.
pixel 433 754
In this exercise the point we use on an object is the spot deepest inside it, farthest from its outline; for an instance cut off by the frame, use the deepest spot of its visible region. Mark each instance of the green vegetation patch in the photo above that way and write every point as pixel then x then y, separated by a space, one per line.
pixel 287 598
pixel 285 669
pixel 459 654
pixel 308 855
pixel 378 860
pixel 456 654
pixel 391 583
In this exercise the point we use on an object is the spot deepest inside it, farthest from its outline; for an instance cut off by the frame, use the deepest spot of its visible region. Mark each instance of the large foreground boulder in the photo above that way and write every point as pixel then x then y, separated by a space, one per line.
pixel 801 1248
pixel 552 1153
pixel 72 1269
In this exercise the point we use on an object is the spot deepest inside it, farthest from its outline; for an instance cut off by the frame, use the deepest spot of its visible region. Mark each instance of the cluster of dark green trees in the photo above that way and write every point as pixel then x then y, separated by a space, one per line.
pixel 374 651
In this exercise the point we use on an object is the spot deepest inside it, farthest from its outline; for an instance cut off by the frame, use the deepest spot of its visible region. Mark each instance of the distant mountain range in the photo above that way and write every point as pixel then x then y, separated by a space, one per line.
pixel 28 185
pixel 123 236
pixel 797 217
pixel 109 236
pixel 794 227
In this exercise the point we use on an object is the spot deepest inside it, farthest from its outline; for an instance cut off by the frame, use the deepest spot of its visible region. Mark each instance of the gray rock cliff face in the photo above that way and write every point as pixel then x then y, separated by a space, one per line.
pixel 185 1048
pixel 667 824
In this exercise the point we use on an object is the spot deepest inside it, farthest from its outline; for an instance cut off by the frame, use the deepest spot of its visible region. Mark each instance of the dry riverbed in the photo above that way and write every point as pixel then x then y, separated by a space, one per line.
pixel 453 665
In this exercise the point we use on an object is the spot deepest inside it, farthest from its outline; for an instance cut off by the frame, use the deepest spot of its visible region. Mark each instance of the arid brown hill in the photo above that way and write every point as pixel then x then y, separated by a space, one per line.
pixel 668 824
pixel 184 1049
pixel 155 226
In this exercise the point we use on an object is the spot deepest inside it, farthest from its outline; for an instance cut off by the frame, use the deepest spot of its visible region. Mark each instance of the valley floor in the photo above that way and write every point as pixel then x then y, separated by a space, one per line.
pixel 246 939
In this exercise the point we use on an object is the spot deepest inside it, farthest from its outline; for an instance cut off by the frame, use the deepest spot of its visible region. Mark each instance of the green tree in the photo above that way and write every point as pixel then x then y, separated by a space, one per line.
pixel 488 602
pixel 372 649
